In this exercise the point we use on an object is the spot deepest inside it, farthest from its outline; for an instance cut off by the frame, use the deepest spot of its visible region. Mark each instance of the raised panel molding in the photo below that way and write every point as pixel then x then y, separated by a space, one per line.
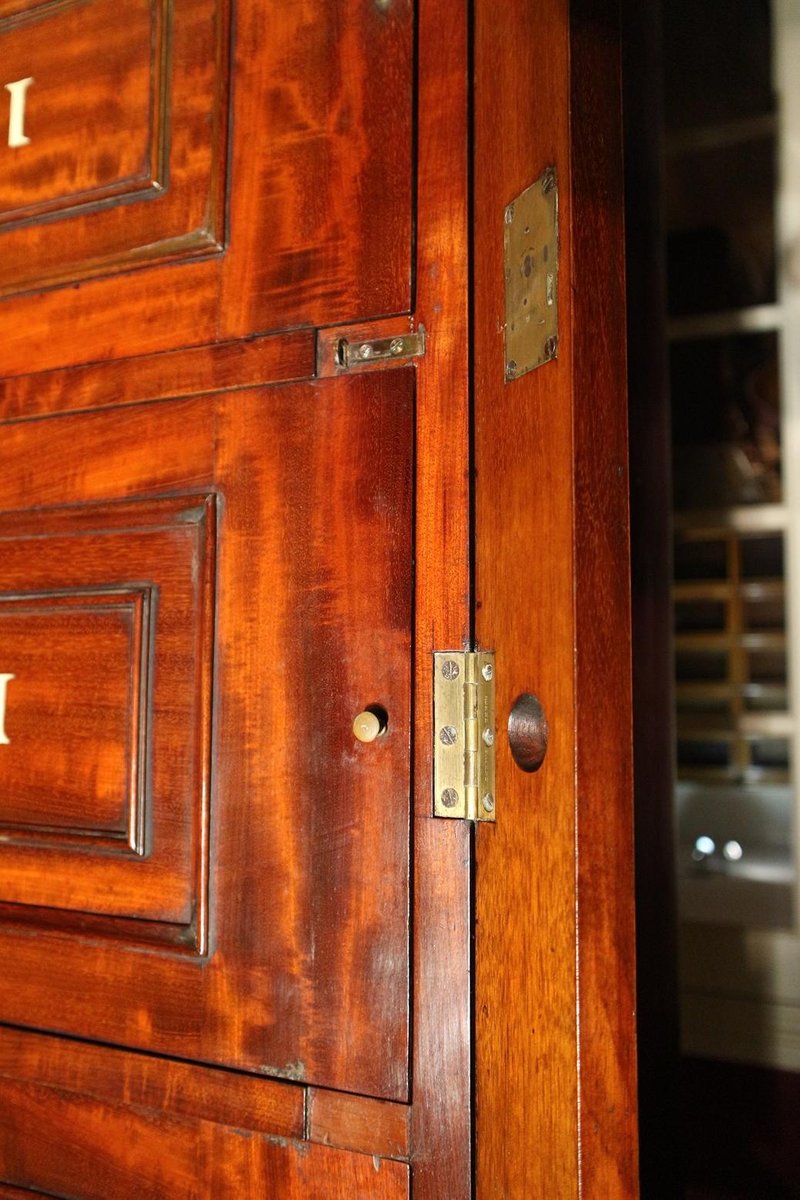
pixel 125 156
pixel 106 643
pixel 88 734
pixel 119 128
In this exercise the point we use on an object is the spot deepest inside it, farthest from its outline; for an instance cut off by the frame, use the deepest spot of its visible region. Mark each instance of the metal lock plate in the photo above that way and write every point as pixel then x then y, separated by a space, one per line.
pixel 464 733
pixel 531 271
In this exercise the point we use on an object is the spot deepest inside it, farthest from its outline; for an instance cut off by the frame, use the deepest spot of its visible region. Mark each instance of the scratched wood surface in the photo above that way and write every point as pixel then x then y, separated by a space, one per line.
pixel 555 1092
pixel 317 228
pixel 80 1148
pixel 305 828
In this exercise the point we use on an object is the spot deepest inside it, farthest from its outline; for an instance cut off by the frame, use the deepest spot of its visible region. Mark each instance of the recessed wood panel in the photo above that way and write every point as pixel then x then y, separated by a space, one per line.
pixel 79 1148
pixel 305 220
pixel 91 123
pixel 75 717
pixel 112 136
pixel 105 642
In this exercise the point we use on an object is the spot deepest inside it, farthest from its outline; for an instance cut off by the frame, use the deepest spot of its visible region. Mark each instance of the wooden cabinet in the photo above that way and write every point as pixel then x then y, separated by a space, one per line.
pixel 237 944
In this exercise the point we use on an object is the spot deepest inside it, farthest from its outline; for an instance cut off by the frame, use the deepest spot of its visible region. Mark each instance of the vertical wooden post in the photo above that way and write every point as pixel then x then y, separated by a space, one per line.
pixel 555 1048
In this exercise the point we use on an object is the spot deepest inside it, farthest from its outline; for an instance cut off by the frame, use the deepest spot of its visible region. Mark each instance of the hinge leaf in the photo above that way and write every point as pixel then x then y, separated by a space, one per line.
pixel 464 734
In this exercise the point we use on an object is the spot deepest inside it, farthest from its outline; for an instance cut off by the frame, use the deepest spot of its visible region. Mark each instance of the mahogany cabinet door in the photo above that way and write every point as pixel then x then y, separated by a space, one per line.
pixel 206 575
pixel 236 959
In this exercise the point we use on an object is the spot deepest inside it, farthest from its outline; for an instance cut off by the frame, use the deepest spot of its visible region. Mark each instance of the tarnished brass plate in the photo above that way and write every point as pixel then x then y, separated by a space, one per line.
pixel 531 268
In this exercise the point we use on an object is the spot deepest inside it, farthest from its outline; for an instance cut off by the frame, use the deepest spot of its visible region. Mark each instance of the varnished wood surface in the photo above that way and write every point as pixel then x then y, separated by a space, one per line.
pixel 149 181
pixel 303 973
pixel 318 229
pixel 123 1078
pixel 442 1063
pixel 309 843
pixel 555 1098
pixel 321 207
pixel 81 1148
pixel 119 1077
pixel 204 369
pixel 66 567
pixel 12 1193
pixel 358 1123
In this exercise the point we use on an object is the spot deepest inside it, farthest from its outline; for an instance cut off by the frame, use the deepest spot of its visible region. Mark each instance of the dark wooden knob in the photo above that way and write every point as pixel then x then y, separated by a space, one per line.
pixel 527 732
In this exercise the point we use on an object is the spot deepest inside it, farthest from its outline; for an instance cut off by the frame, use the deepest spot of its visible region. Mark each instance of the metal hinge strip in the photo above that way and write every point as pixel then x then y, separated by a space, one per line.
pixel 464 733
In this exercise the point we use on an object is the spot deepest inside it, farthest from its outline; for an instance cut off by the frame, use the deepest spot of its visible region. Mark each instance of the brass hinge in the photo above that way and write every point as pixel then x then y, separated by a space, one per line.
pixel 464 733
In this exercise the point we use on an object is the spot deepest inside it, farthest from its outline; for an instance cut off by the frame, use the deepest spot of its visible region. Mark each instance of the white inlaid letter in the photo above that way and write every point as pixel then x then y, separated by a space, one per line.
pixel 4 682
pixel 16 115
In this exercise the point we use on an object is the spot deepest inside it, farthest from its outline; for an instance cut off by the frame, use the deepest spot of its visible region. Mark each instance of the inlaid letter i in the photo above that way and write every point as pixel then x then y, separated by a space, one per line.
pixel 18 92
pixel 4 682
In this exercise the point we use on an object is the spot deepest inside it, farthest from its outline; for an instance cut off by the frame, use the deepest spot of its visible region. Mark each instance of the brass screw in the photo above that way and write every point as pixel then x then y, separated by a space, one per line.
pixel 488 802
pixel 449 797
pixel 396 346
pixel 450 669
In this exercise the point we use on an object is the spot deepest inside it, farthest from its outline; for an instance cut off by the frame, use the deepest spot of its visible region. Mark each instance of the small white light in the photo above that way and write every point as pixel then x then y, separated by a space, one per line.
pixel 703 847
pixel 732 851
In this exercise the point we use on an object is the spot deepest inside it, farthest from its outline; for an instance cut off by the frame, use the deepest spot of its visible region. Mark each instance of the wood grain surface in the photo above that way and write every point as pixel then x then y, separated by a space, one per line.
pixel 555 1102
pixel 319 179
pixel 53 562
pixel 358 1123
pixel 148 184
pixel 78 1147
pixel 309 834
pixel 441 1117
pixel 281 358
pixel 275 996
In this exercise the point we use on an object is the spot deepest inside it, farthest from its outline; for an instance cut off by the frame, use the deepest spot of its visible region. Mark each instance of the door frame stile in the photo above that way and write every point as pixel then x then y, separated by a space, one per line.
pixel 441 1020
pixel 554 955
